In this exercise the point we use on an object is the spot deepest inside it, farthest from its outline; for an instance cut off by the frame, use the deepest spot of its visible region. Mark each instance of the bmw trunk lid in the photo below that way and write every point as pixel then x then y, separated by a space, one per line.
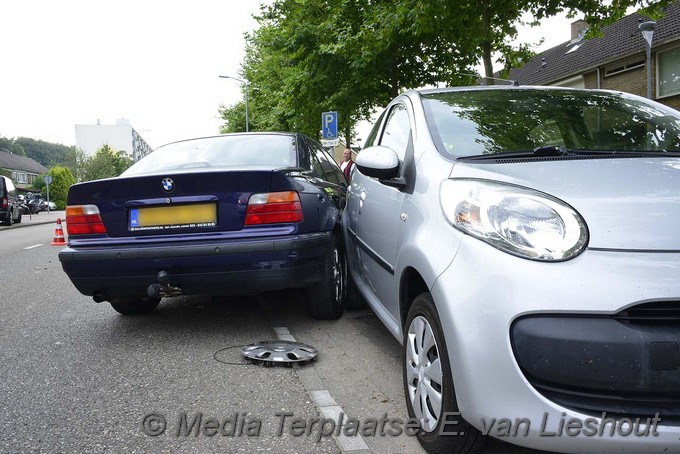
pixel 627 203
pixel 176 203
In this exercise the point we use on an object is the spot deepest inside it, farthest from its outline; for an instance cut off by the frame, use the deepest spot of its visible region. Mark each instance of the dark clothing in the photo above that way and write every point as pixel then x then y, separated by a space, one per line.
pixel 348 169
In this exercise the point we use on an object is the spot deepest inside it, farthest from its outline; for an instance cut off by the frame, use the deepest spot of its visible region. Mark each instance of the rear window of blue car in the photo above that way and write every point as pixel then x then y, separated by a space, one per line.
pixel 490 121
pixel 214 153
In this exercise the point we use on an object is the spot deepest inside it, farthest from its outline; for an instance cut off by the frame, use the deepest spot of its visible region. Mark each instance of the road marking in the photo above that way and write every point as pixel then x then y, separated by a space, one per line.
pixel 35 245
pixel 283 334
pixel 324 402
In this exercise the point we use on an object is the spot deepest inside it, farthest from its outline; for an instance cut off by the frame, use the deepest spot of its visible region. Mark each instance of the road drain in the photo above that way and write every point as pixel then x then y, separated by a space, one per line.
pixel 279 352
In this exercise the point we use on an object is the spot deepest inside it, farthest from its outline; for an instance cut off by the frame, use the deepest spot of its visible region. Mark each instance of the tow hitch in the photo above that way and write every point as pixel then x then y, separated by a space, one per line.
pixel 163 289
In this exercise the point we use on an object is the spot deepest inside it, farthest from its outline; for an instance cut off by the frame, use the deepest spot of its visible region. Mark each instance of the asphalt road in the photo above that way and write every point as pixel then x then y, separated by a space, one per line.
pixel 78 377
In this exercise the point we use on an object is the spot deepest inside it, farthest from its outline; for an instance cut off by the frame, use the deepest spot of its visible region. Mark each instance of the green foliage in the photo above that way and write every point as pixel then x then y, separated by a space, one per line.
pixel 351 56
pixel 514 57
pixel 76 160
pixel 106 163
pixel 62 179
pixel 39 184
pixel 11 147
pixel 234 117
pixel 6 172
pixel 46 153
pixel 312 56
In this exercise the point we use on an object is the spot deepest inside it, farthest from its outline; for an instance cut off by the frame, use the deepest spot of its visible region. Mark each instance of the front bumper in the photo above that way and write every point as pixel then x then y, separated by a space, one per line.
pixel 225 267
pixel 484 294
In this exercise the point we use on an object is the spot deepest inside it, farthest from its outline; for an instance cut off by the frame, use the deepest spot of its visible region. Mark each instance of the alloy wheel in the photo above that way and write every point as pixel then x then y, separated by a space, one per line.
pixel 338 275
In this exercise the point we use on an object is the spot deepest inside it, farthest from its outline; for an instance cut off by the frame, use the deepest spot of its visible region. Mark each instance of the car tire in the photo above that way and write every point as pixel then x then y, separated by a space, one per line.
pixel 326 299
pixel 135 306
pixel 428 380
pixel 9 221
pixel 18 219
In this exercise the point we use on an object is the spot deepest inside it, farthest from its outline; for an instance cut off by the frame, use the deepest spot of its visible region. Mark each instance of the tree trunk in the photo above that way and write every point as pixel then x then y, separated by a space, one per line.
pixel 486 45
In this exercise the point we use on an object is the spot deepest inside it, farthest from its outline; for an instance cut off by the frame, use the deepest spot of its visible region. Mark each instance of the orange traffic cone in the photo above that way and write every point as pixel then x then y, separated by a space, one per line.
pixel 58 235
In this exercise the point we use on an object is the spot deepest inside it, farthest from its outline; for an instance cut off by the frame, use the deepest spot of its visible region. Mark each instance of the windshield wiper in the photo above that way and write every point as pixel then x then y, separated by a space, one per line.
pixel 545 150
pixel 551 150
pixel 559 151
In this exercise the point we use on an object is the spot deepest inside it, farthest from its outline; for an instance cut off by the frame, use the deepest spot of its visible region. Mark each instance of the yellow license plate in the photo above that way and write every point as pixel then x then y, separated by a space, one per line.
pixel 173 217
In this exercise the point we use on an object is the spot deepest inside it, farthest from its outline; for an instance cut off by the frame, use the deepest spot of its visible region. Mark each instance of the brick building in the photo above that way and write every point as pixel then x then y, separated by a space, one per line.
pixel 614 61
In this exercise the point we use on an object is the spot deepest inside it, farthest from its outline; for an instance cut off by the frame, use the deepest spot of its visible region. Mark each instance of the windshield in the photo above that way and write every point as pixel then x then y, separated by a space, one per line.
pixel 480 122
pixel 211 153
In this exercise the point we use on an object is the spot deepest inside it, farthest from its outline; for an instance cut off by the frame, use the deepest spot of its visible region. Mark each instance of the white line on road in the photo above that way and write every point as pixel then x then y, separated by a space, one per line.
pixel 35 245
pixel 327 406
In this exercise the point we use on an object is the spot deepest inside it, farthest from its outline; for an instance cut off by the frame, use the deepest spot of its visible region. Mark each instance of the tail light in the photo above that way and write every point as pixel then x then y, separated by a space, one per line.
pixel 84 220
pixel 273 208
pixel 5 203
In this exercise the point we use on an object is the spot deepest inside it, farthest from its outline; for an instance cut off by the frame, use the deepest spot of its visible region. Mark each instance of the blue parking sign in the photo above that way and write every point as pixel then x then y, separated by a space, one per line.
pixel 329 125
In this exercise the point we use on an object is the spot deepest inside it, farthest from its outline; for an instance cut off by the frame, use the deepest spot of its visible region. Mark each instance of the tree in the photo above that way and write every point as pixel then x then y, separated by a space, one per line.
pixel 11 147
pixel 311 56
pixel 46 153
pixel 76 161
pixel 234 117
pixel 490 25
pixel 106 163
pixel 62 180
pixel 351 56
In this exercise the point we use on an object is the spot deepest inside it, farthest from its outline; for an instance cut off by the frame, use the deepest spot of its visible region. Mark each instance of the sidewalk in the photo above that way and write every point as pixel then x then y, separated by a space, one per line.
pixel 40 218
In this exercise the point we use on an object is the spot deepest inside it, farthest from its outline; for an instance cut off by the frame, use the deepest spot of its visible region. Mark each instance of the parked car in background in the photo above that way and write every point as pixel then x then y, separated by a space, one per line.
pixel 239 213
pixel 523 245
pixel 10 205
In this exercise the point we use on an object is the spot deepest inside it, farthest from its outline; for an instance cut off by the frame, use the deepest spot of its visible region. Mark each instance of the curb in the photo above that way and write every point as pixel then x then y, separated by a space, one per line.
pixel 25 222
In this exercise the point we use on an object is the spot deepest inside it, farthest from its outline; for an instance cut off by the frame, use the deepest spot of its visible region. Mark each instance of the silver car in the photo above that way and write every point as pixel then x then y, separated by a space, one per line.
pixel 523 244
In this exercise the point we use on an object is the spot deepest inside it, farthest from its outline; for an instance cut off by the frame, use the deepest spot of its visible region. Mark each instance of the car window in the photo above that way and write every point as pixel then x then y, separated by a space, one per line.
pixel 335 168
pixel 271 150
pixel 316 165
pixel 304 155
pixel 397 130
pixel 467 123
pixel 11 189
pixel 370 140
pixel 325 166
pixel 2 184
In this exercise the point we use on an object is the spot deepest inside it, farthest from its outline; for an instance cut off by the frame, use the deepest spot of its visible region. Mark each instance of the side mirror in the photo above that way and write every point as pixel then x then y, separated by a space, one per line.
pixel 378 162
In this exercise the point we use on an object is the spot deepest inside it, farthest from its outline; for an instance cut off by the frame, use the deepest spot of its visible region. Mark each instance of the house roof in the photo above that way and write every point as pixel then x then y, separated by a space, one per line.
pixel 620 40
pixel 15 162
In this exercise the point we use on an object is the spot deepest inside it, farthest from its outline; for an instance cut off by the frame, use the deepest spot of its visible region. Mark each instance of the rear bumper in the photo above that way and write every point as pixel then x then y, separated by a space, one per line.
pixel 224 267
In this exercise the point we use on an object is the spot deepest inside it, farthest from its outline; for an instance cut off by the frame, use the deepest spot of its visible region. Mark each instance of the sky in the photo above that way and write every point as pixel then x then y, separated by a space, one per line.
pixel 156 64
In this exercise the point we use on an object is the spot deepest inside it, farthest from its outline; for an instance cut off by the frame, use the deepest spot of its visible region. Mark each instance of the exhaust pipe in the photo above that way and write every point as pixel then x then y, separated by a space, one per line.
pixel 163 289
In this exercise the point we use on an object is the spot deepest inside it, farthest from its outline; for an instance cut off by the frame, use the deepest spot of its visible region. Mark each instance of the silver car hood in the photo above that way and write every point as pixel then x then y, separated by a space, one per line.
pixel 628 203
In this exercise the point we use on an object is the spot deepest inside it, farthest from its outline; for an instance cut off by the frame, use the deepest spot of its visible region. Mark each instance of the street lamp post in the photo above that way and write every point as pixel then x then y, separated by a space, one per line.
pixel 647 30
pixel 244 82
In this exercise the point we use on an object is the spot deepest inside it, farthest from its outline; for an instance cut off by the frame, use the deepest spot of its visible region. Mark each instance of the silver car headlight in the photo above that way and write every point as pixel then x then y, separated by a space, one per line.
pixel 516 220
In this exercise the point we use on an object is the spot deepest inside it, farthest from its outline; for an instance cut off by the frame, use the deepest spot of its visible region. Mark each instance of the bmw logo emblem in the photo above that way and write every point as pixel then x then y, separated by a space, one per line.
pixel 168 184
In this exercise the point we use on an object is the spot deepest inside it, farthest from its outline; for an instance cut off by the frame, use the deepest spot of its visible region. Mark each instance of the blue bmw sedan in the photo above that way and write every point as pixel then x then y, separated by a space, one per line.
pixel 231 214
